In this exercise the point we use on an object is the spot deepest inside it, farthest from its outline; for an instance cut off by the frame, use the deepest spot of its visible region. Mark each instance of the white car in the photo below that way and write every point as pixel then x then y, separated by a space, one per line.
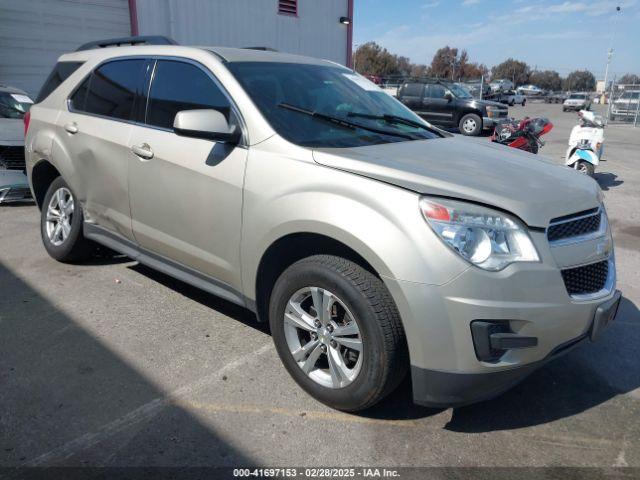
pixel 501 85
pixel 577 101
pixel 14 103
pixel 626 105
pixel 513 97
pixel 529 90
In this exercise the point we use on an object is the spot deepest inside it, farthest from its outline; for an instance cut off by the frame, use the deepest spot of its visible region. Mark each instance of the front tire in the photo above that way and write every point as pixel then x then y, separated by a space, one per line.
pixel 61 224
pixel 470 125
pixel 585 168
pixel 338 332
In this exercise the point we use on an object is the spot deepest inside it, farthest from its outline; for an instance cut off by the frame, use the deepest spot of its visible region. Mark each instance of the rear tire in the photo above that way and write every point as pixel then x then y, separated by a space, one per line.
pixel 344 378
pixel 470 124
pixel 61 223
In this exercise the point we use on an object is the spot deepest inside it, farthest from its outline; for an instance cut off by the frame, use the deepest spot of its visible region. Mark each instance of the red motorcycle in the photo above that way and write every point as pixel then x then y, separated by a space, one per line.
pixel 524 134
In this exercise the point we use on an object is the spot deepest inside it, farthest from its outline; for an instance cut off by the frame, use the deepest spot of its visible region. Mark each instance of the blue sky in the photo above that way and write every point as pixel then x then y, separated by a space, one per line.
pixel 562 35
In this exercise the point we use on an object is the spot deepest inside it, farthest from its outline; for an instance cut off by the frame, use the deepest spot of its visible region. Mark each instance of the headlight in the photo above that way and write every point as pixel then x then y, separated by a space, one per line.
pixel 492 111
pixel 487 238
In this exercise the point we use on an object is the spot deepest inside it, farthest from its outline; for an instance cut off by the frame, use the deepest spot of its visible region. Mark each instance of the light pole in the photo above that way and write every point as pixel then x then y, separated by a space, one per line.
pixel 355 57
pixel 610 53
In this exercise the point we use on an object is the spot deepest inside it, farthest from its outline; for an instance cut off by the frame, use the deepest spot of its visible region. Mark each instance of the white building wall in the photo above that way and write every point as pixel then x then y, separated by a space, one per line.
pixel 34 33
pixel 316 31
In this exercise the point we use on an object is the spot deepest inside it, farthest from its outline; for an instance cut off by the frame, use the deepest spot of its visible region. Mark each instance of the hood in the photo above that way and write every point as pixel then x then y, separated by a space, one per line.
pixel 487 103
pixel 11 131
pixel 534 189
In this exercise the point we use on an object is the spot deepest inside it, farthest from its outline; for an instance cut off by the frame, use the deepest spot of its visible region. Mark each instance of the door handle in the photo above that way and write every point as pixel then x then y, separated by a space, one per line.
pixel 143 151
pixel 71 127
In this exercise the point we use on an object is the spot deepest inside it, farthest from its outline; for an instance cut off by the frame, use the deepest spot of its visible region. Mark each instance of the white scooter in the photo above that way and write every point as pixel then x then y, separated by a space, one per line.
pixel 586 143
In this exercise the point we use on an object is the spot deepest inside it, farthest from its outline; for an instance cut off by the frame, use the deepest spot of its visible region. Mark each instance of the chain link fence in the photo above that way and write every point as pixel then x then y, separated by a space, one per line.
pixel 623 104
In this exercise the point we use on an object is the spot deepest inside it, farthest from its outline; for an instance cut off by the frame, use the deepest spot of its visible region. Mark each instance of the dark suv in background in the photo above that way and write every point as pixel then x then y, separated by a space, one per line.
pixel 449 105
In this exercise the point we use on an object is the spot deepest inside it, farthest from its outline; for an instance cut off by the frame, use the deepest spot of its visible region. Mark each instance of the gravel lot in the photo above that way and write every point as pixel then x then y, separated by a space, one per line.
pixel 111 363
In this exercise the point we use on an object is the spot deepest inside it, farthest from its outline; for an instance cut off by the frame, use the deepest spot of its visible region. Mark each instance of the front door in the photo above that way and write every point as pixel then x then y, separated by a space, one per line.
pixel 186 193
pixel 438 109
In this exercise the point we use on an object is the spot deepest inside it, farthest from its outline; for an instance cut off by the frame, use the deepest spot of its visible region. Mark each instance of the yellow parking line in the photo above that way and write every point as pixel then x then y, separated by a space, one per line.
pixel 311 415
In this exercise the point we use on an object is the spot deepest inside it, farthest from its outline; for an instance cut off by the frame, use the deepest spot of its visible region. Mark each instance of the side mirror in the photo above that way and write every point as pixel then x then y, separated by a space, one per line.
pixel 448 97
pixel 208 124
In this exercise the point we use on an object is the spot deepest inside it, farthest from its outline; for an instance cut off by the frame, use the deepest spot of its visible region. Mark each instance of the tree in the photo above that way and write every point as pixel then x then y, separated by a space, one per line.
pixel 515 70
pixel 630 79
pixel 418 70
pixel 372 59
pixel 474 71
pixel 547 79
pixel 582 80
pixel 445 62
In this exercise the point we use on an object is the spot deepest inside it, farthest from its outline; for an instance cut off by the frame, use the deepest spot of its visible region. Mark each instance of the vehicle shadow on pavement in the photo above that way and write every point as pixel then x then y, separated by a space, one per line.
pixel 68 399
pixel 607 180
pixel 209 300
pixel 586 377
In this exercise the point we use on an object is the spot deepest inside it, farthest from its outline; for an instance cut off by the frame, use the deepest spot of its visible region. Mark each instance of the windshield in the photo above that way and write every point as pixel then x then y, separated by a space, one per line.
pixel 628 95
pixel 288 94
pixel 459 91
pixel 577 97
pixel 14 105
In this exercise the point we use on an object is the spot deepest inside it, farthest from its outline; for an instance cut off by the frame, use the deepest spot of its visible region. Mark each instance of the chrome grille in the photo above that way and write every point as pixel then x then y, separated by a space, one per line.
pixel 582 223
pixel 587 279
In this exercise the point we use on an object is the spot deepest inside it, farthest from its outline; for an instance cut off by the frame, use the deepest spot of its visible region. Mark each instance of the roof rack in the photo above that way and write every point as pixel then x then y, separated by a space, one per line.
pixel 264 49
pixel 128 41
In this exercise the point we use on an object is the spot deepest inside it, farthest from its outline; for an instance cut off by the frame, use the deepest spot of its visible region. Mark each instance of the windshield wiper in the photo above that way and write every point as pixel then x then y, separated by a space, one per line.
pixel 394 119
pixel 342 122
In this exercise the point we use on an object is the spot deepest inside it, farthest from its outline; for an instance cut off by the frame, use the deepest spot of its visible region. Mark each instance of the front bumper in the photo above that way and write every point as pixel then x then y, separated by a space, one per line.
pixel 490 122
pixel 579 107
pixel 623 112
pixel 14 186
pixel 530 298
pixel 434 388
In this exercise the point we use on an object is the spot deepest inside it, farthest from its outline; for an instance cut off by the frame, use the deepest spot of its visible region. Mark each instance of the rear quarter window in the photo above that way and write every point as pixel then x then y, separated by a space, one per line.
pixel 59 74
pixel 412 89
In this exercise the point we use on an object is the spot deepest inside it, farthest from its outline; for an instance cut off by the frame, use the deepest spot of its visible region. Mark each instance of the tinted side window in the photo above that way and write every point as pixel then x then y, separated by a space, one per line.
pixel 181 86
pixel 77 100
pixel 114 87
pixel 59 74
pixel 412 89
pixel 436 91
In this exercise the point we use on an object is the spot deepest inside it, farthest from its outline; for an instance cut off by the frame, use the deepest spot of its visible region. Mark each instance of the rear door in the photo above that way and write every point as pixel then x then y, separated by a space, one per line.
pixel 438 109
pixel 186 193
pixel 94 133
pixel 411 95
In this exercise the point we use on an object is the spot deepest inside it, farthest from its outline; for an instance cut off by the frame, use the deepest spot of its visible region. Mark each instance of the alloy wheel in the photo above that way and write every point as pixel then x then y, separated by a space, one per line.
pixel 59 216
pixel 323 337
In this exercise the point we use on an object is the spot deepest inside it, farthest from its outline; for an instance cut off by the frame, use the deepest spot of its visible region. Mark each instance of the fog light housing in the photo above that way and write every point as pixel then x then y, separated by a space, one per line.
pixel 493 338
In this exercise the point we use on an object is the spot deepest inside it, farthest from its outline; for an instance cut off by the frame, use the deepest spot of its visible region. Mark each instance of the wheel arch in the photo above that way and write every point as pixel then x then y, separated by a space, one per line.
pixel 290 248
pixel 467 111
pixel 42 174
